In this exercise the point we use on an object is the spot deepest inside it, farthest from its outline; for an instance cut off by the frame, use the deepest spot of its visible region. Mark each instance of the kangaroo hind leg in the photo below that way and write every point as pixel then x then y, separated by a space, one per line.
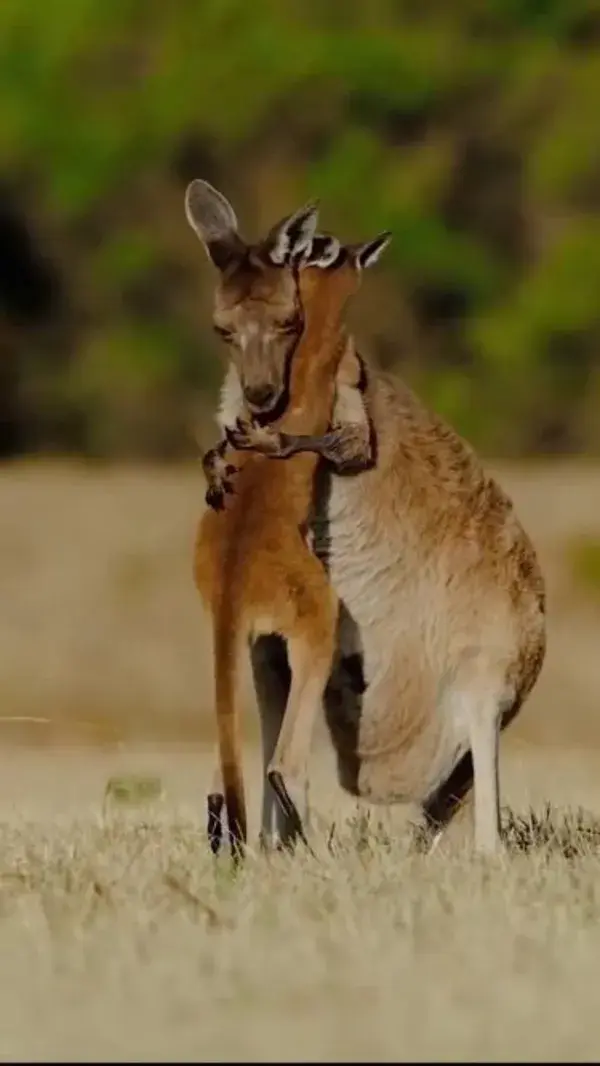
pixel 482 711
pixel 485 735
pixel 310 633
pixel 272 679
pixel 478 767
pixel 441 807
pixel 215 803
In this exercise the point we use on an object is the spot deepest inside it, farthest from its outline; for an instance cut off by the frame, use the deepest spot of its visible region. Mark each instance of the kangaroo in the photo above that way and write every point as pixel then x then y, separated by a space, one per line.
pixel 252 564
pixel 441 630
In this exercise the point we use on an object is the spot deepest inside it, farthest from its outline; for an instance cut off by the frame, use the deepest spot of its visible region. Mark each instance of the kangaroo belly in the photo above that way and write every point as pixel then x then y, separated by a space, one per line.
pixel 397 736
pixel 421 649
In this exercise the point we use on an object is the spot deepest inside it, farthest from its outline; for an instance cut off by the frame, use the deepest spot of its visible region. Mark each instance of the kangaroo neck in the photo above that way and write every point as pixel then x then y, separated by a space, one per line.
pixel 313 385
pixel 317 356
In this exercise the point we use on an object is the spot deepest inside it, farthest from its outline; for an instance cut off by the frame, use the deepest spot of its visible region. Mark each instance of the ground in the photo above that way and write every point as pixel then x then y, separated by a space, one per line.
pixel 121 938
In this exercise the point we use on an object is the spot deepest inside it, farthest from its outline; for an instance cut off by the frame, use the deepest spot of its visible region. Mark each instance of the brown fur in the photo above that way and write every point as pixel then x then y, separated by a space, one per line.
pixel 252 565
pixel 441 627
pixel 443 605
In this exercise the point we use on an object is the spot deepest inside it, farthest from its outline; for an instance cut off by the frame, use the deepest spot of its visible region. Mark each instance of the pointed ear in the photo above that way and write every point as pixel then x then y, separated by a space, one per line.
pixel 368 253
pixel 213 219
pixel 292 236
pixel 323 252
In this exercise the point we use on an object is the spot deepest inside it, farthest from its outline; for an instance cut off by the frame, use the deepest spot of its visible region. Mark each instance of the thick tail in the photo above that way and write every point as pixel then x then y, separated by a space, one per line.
pixel 229 729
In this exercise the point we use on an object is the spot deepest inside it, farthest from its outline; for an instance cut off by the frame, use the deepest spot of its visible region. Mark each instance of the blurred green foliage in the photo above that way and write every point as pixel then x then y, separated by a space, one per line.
pixel 583 557
pixel 468 128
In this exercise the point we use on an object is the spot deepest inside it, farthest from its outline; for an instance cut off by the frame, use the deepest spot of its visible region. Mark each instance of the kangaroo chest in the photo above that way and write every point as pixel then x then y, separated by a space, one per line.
pixel 381 705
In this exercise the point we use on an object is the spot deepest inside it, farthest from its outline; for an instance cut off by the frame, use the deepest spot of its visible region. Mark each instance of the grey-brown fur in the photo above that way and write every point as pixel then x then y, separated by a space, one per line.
pixel 444 608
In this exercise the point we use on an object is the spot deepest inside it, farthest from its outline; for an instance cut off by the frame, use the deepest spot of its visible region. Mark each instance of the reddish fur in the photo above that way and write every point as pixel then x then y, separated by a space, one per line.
pixel 252 566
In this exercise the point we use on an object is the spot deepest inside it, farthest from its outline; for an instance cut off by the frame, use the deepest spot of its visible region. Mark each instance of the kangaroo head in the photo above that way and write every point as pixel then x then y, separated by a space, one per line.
pixel 329 275
pixel 257 305
pixel 330 272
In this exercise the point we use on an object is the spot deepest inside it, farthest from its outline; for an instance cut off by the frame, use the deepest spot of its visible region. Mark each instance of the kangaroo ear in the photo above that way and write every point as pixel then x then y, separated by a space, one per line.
pixel 291 237
pixel 213 219
pixel 368 253
pixel 323 252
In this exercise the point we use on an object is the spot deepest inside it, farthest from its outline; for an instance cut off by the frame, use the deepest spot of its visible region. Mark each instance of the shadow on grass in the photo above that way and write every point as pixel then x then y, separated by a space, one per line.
pixel 571 833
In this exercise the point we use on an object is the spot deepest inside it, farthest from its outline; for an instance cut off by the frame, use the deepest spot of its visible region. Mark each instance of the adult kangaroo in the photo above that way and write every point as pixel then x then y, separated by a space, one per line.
pixel 441 629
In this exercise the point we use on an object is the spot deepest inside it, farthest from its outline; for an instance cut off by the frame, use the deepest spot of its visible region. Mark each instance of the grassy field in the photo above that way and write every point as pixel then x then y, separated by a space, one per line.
pixel 121 938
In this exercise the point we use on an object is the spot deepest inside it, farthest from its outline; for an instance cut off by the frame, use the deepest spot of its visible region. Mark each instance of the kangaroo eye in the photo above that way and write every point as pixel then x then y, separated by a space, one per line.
pixel 225 334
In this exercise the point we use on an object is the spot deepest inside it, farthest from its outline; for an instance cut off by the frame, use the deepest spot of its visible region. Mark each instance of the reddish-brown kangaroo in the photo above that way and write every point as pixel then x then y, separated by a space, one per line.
pixel 283 300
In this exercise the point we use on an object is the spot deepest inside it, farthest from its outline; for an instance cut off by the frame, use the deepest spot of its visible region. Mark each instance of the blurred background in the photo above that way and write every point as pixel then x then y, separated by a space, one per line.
pixel 468 129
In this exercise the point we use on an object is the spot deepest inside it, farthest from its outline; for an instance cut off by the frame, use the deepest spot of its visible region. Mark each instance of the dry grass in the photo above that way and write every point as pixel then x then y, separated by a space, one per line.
pixel 101 632
pixel 122 940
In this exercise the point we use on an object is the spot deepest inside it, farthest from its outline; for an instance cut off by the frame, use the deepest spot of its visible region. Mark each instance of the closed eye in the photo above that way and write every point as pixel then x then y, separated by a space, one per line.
pixel 225 334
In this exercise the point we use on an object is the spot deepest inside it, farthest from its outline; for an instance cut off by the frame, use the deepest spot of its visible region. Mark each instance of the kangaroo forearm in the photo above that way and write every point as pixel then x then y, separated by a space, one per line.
pixel 213 456
pixel 348 448
pixel 218 472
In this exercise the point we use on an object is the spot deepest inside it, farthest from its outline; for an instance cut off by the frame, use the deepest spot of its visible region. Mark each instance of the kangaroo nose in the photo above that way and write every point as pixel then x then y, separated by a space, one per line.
pixel 260 397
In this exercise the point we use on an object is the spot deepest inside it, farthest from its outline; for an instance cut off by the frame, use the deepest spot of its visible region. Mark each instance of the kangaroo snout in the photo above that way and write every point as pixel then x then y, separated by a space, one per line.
pixel 260 398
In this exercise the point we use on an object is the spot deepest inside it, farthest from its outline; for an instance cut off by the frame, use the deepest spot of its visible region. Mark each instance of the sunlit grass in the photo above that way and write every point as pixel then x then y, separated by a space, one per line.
pixel 122 937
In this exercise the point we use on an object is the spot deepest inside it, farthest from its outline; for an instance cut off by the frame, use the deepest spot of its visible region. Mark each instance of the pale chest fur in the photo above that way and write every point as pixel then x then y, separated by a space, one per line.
pixel 420 613
pixel 417 634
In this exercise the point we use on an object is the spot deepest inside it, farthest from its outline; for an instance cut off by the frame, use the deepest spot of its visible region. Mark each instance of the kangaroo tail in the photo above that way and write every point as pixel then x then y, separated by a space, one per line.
pixel 226 644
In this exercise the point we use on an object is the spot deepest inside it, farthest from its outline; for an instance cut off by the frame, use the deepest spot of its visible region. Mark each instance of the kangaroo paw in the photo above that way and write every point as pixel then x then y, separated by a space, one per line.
pixel 278 784
pixel 219 474
pixel 214 828
pixel 249 436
